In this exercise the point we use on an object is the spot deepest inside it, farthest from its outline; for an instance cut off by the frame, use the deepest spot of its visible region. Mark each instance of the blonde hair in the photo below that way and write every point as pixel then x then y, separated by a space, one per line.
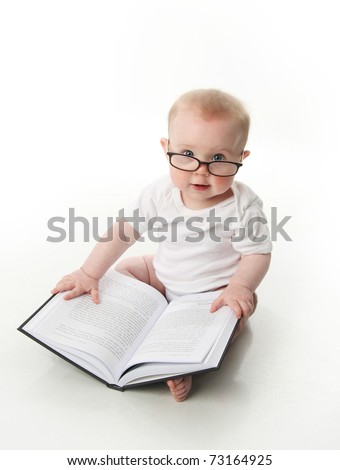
pixel 212 103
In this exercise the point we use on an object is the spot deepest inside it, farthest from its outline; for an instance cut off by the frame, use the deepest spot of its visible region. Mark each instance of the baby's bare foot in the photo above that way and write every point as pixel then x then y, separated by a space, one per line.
pixel 180 388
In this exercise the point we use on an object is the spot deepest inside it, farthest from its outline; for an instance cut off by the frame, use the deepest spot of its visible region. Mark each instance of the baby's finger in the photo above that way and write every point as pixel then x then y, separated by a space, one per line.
pixel 236 308
pixel 74 293
pixel 247 307
pixel 95 295
pixel 56 288
pixel 217 303
pixel 62 286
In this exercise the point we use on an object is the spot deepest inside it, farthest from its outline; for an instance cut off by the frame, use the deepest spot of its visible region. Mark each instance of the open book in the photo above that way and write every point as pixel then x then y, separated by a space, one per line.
pixel 133 335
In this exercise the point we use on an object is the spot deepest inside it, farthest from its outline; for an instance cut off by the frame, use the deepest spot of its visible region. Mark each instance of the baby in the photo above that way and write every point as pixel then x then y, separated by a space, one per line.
pixel 205 148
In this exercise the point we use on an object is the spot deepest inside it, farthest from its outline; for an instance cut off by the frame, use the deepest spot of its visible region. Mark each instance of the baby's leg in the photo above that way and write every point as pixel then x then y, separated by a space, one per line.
pixel 141 268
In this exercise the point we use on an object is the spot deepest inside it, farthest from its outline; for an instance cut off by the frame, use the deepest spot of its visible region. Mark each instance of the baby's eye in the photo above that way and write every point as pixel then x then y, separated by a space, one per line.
pixel 218 157
pixel 188 153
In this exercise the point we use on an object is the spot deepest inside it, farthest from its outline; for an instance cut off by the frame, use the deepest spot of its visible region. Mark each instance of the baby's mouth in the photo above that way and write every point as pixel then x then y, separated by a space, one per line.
pixel 200 187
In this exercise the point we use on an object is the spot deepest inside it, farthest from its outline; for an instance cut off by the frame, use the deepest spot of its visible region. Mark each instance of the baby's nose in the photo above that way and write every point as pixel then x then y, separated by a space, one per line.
pixel 202 169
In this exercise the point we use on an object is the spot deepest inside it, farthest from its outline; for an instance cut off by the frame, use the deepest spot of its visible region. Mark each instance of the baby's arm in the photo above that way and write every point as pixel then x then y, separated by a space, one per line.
pixel 119 238
pixel 239 292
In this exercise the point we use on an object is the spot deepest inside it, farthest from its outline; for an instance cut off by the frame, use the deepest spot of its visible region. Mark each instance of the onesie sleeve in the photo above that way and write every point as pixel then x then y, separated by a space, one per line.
pixel 146 205
pixel 250 232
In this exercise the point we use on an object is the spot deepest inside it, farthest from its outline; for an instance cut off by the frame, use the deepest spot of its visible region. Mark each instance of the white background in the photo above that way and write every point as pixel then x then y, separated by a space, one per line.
pixel 85 87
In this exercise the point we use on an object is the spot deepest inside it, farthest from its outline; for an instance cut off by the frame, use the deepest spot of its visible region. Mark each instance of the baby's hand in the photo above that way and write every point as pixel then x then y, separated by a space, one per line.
pixel 78 283
pixel 239 298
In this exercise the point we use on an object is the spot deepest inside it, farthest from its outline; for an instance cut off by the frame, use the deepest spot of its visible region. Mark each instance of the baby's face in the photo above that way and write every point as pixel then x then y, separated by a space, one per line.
pixel 204 139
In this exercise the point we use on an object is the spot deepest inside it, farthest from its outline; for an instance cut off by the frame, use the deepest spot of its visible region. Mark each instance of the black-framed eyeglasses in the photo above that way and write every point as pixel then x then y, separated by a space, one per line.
pixel 188 163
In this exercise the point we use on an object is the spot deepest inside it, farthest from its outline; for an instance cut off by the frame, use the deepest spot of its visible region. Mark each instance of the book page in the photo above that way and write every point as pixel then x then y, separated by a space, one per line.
pixel 112 330
pixel 186 331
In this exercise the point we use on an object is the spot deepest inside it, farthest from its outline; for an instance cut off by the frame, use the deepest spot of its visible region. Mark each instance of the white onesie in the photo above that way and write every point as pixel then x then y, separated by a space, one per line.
pixel 199 250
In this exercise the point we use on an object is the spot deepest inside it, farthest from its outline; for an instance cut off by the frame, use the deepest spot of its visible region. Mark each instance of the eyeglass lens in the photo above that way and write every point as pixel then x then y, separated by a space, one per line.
pixel 216 168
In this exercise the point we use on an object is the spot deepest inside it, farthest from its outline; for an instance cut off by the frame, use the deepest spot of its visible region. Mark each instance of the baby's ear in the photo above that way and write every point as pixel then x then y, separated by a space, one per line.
pixel 164 144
